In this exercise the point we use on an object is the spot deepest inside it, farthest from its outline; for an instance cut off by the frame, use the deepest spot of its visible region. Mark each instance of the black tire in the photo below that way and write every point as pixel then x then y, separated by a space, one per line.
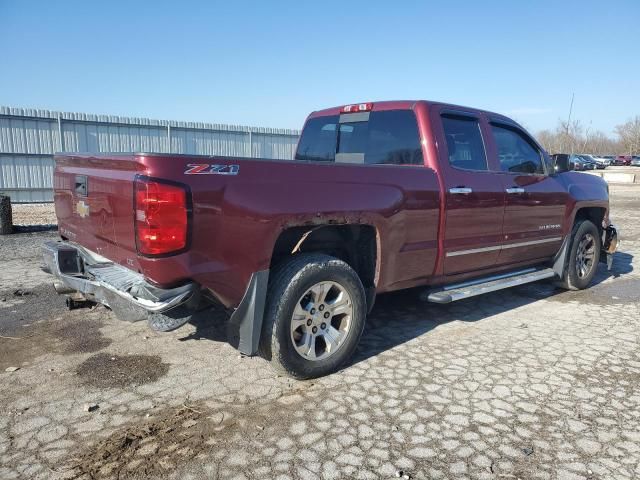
pixel 571 279
pixel 288 283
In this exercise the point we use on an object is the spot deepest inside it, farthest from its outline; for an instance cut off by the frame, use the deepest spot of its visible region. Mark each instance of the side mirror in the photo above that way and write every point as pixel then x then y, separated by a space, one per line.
pixel 561 163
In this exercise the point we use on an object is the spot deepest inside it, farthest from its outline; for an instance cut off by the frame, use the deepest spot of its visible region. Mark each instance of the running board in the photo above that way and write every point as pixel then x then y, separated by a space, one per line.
pixel 451 293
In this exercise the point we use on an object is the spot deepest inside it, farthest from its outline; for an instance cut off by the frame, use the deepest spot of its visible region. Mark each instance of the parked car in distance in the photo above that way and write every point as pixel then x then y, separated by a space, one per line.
pixel 622 160
pixel 601 165
pixel 379 197
pixel 635 161
pixel 580 164
pixel 602 162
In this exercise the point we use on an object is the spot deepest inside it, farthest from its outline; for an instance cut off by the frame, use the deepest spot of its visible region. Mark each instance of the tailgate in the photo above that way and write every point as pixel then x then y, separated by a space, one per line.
pixel 94 203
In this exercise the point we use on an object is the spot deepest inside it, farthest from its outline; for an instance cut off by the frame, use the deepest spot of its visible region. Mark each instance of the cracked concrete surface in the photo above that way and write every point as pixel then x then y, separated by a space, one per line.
pixel 526 383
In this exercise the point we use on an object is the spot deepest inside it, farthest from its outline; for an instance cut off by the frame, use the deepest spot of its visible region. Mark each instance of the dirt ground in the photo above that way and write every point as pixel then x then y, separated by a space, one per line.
pixel 529 383
pixel 33 214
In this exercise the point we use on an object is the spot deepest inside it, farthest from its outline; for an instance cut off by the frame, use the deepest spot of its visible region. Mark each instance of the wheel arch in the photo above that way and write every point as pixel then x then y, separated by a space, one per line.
pixel 357 244
pixel 594 213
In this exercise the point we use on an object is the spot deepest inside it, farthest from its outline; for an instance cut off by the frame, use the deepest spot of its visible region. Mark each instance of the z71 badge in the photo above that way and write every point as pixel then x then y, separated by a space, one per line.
pixel 207 169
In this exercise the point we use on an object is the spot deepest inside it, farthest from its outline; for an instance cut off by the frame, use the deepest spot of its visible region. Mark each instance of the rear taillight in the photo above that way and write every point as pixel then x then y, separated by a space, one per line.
pixel 162 217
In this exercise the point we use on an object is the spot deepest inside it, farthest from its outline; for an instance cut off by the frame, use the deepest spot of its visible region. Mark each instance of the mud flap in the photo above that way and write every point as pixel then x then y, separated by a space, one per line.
pixel 245 324
pixel 370 293
pixel 560 260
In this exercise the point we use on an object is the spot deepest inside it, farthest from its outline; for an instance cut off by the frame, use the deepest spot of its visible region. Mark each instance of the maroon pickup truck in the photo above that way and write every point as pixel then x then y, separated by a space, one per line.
pixel 380 197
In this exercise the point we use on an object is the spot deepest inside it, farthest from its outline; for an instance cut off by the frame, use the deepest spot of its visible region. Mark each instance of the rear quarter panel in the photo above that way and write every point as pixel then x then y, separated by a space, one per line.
pixel 238 218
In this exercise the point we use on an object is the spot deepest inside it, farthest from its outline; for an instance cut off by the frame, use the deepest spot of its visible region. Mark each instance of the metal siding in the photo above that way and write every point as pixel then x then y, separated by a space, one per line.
pixel 27 178
pixel 30 137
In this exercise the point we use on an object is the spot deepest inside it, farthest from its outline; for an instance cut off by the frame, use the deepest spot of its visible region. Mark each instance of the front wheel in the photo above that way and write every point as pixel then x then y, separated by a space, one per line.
pixel 583 256
pixel 315 314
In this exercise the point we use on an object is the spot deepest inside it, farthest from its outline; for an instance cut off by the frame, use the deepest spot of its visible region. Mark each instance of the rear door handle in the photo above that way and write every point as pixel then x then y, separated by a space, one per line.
pixel 515 190
pixel 460 190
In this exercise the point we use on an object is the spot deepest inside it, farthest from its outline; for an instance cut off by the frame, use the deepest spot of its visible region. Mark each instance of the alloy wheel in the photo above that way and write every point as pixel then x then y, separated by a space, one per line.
pixel 321 321
pixel 585 255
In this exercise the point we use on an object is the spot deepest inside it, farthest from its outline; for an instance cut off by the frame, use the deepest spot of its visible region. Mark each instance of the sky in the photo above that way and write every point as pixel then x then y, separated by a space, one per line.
pixel 270 63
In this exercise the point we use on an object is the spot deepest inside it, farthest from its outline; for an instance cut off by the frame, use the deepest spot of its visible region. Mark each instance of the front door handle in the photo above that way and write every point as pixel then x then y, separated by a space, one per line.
pixel 515 190
pixel 460 190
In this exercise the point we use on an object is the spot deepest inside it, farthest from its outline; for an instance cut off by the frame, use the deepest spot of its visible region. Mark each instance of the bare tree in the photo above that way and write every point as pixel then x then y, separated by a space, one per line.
pixel 549 140
pixel 570 134
pixel 629 133
pixel 599 144
pixel 572 137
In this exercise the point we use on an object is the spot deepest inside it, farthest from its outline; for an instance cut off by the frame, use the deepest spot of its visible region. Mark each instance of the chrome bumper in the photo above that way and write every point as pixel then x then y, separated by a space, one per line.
pixel 124 291
pixel 610 244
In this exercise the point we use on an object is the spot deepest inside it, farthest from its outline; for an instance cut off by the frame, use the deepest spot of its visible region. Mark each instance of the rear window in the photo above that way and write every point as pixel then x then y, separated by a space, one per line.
pixel 388 137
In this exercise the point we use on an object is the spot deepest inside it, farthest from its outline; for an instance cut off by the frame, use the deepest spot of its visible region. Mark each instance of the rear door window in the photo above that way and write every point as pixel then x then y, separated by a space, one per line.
pixel 387 137
pixel 393 138
pixel 318 140
pixel 464 142
pixel 517 153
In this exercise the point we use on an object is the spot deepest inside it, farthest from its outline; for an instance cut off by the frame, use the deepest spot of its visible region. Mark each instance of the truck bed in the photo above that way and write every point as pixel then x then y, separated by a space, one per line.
pixel 233 228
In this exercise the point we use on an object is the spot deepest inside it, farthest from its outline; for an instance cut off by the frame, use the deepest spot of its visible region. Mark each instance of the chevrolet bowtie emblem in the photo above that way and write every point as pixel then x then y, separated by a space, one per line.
pixel 82 209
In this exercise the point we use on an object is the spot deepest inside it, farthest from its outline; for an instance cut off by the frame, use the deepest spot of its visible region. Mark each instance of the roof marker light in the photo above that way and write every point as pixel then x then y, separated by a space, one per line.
pixel 358 107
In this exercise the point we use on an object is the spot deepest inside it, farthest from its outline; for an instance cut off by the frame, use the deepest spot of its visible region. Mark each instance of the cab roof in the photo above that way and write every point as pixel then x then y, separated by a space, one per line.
pixel 405 105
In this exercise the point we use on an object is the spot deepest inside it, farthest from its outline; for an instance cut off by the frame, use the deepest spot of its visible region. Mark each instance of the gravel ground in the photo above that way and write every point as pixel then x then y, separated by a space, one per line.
pixel 527 383
pixel 26 214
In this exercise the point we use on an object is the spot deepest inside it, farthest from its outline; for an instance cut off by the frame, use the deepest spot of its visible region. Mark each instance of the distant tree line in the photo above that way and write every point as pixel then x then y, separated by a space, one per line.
pixel 573 137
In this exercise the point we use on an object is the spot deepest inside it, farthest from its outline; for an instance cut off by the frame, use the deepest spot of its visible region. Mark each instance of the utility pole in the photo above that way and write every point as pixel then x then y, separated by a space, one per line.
pixel 586 136
pixel 570 110
pixel 569 118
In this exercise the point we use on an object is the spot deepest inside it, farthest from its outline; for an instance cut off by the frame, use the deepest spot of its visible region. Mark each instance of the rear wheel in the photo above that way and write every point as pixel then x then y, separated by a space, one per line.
pixel 315 314
pixel 583 256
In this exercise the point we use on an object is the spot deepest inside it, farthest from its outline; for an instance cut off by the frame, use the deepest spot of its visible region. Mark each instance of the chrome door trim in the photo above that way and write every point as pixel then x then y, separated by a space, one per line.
pixel 473 250
pixel 461 190
pixel 532 242
pixel 513 190
pixel 503 246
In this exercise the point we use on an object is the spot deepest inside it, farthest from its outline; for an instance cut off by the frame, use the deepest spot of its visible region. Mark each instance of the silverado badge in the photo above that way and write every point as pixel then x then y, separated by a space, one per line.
pixel 82 209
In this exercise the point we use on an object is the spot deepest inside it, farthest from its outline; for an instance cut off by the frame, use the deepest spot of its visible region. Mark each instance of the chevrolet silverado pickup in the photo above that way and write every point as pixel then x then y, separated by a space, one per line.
pixel 380 197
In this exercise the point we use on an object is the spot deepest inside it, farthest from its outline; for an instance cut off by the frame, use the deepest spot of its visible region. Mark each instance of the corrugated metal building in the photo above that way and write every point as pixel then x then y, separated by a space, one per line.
pixel 30 137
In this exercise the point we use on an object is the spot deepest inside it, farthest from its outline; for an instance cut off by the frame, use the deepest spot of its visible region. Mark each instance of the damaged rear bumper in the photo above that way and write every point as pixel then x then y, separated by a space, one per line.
pixel 610 244
pixel 126 292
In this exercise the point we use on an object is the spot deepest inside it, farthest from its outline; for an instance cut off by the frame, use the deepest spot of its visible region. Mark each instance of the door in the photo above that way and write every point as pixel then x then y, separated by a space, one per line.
pixel 474 196
pixel 535 201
